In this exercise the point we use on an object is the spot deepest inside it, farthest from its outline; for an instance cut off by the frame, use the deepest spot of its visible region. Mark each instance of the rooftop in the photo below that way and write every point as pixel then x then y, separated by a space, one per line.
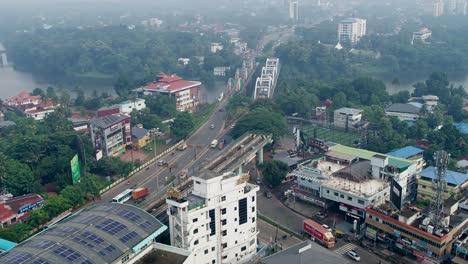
pixel 452 177
pixel 107 121
pixel 15 203
pixel 349 111
pixel 305 252
pixel 462 127
pixel 406 152
pixel 6 245
pixel 170 83
pixel 351 20
pixel 139 132
pixel 366 154
pixel 403 108
pixel 99 234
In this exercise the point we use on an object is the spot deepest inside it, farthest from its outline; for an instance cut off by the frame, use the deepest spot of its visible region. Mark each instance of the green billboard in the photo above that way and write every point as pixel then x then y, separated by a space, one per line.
pixel 75 169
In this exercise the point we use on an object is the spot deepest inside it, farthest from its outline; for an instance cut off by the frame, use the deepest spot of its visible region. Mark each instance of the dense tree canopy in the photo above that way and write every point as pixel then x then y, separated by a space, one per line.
pixel 263 121
pixel 274 171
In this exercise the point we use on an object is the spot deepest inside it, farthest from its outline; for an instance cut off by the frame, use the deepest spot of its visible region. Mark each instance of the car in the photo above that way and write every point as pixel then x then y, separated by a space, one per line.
pixel 212 126
pixel 162 163
pixel 268 194
pixel 259 181
pixel 353 255
pixel 327 227
pixel 320 215
pixel 233 125
pixel 457 243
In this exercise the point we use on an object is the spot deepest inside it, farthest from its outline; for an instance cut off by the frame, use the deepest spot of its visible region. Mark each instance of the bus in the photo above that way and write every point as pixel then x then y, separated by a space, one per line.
pixel 123 197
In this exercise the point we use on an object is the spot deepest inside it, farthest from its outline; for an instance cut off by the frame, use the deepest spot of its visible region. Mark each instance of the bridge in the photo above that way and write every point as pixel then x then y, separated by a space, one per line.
pixel 265 84
pixel 3 56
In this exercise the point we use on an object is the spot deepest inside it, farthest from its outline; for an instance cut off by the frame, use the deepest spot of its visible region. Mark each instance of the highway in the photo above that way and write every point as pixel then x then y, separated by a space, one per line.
pixel 191 159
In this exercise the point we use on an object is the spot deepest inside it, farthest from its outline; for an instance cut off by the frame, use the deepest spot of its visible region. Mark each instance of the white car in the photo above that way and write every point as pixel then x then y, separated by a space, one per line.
pixel 212 126
pixel 327 227
pixel 353 255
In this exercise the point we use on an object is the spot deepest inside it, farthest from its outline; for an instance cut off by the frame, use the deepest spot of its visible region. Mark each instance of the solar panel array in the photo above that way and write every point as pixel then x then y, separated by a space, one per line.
pixel 129 237
pixel 105 208
pixel 111 226
pixel 86 219
pixel 67 253
pixel 41 243
pixel 94 238
pixel 63 231
pixel 16 257
pixel 128 215
pixel 39 261
pixel 146 224
pixel 86 262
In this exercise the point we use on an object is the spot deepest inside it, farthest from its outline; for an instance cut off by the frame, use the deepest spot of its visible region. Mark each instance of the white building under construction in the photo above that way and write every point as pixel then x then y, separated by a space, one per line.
pixel 218 220
pixel 265 84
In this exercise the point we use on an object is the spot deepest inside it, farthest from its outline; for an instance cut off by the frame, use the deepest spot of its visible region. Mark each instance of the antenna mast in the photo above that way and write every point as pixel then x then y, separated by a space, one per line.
pixel 439 184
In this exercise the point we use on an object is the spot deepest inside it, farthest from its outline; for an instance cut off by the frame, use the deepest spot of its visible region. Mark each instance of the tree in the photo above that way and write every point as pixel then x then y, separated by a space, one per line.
pixel 19 178
pixel 262 121
pixel 37 218
pixel 50 93
pixel 274 171
pixel 73 194
pixel 401 97
pixel 183 125
pixel 80 98
pixel 39 92
pixel 55 205
pixel 456 109
pixel 339 100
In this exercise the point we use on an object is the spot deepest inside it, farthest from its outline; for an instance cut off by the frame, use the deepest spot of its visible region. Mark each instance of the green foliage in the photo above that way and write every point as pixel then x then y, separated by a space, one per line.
pixel 37 218
pixel 163 106
pixel 111 166
pixel 55 205
pixel 237 106
pixel 183 125
pixel 274 171
pixel 17 177
pixel 263 121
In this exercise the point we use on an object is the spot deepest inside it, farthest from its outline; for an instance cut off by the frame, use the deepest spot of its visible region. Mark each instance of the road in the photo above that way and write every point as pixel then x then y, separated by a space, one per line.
pixel 192 158
pixel 268 232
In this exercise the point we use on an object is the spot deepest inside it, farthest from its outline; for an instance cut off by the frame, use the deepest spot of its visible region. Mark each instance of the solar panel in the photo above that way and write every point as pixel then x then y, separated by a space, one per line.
pixel 67 253
pixel 81 241
pixel 86 219
pixel 129 215
pixel 128 237
pixel 111 248
pixel 146 224
pixel 86 262
pixel 39 261
pixel 105 208
pixel 16 257
pixel 92 237
pixel 65 230
pixel 111 226
pixel 41 244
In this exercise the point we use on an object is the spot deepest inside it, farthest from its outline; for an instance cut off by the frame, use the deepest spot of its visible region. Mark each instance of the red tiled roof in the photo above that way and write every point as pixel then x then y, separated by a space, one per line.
pixel 170 83
pixel 16 203
pixel 23 96
pixel 5 212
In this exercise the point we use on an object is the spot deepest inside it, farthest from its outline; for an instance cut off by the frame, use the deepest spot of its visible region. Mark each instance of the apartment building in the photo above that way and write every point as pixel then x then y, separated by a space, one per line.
pixel 351 30
pixel 217 221
pixel 456 184
pixel 347 117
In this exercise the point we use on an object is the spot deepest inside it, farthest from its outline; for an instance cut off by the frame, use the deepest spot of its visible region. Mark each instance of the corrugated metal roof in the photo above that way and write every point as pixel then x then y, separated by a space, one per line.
pixel 463 127
pixel 107 121
pixel 406 152
pixel 139 132
pixel 452 177
pixel 6 245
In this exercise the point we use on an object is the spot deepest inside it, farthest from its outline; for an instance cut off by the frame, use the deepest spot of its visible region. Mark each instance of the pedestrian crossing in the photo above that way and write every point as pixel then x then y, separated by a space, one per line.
pixel 345 248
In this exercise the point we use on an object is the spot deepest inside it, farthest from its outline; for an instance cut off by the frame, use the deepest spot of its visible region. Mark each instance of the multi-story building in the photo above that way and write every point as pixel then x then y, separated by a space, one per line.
pixel 433 7
pixel 411 153
pixel 31 105
pixel 293 10
pixel 351 30
pixel 215 47
pixel 217 221
pixel 422 35
pixel 456 184
pixel 186 93
pixel 126 107
pixel 24 98
pixel 353 179
pixel 110 134
pixel 347 117
pixel 461 8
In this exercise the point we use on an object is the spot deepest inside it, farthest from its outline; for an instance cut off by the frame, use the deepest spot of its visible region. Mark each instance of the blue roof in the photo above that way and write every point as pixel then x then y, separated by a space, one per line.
pixel 463 127
pixel 6 245
pixel 452 177
pixel 405 152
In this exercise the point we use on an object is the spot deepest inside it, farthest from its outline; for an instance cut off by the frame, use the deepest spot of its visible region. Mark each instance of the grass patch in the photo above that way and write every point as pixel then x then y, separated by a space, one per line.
pixel 170 180
pixel 203 113
pixel 340 137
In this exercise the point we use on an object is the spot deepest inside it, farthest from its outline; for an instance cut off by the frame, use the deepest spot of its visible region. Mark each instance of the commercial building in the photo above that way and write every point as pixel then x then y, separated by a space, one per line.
pixel 422 35
pixel 351 30
pixel 110 134
pixel 293 10
pixel 347 117
pixel 186 93
pixel 411 153
pixel 107 233
pixel 305 252
pixel 405 112
pixel 217 221
pixel 457 183
pixel 126 107
pixel 411 232
pixel 15 209
pixel 433 7
pixel 140 136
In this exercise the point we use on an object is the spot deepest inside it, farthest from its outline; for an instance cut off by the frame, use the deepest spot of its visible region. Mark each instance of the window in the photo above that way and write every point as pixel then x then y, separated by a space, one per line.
pixel 242 211
pixel 360 201
pixel 335 193
pixel 223 211
pixel 213 249
pixel 341 195
pixel 235 230
pixel 253 198
pixel 206 251
pixel 328 191
pixel 235 208
pixel 223 198
pixel 235 219
pixel 195 220
pixel 235 242
pixel 224 245
pixel 350 198
pixel 224 233
pixel 225 257
pixel 253 219
pixel 196 242
pixel 197 182
pixel 243 248
pixel 223 222
pixel 213 261
pixel 195 230
pixel 253 209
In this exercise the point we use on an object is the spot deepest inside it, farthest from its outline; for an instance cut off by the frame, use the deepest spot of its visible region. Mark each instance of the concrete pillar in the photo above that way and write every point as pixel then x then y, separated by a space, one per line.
pixel 240 169
pixel 260 156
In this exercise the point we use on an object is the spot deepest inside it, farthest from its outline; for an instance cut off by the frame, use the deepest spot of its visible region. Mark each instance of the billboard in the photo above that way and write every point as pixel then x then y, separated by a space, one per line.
pixel 75 169
pixel 396 194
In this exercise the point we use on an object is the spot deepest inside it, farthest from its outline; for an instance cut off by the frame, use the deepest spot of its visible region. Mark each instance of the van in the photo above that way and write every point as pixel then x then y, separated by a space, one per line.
pixel 214 143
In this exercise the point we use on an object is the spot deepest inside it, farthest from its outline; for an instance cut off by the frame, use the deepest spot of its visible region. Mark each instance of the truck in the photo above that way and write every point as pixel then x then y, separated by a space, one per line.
pixel 319 233
pixel 214 143
pixel 139 193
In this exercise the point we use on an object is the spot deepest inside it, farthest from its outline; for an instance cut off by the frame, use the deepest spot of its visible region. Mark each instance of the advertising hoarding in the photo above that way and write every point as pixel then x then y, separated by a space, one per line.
pixel 75 169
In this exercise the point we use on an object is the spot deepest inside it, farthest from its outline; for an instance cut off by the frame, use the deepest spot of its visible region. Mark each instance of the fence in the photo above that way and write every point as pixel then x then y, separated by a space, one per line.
pixel 146 164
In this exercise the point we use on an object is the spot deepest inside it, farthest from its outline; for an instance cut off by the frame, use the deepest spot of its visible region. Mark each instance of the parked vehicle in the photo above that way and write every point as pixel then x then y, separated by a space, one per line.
pixel 319 233
pixel 182 147
pixel 162 163
pixel 353 255
pixel 327 228
pixel 139 193
pixel 212 126
pixel 320 215
pixel 214 143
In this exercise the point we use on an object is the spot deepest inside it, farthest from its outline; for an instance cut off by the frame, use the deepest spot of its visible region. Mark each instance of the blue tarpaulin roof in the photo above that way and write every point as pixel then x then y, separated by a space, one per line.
pixel 452 177
pixel 6 245
pixel 406 152
pixel 463 127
